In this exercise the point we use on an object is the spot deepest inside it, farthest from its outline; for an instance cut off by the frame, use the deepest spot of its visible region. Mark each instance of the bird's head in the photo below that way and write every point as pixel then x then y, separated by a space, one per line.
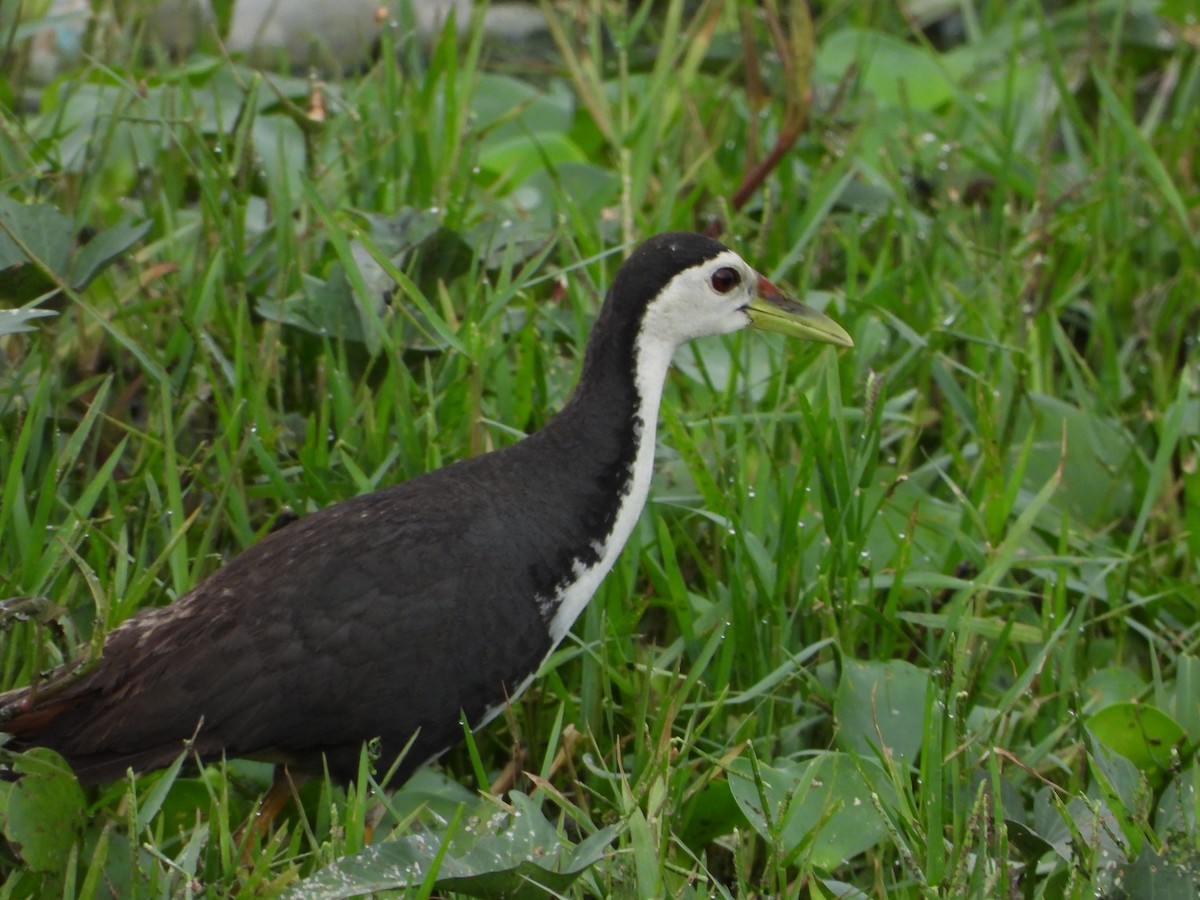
pixel 692 286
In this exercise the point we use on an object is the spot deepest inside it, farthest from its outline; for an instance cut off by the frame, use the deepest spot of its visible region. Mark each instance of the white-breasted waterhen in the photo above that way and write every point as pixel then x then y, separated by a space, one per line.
pixel 389 615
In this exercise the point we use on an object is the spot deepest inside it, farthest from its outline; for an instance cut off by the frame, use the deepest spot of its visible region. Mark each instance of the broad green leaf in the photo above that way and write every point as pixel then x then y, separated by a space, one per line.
pixel 1161 877
pixel 506 109
pixel 325 308
pixel 881 702
pixel 520 157
pixel 1111 684
pixel 45 810
pixel 36 230
pixel 1125 790
pixel 35 244
pixel 820 809
pixel 279 143
pixel 517 854
pixel 588 188
pixel 1178 804
pixel 102 250
pixel 1142 734
pixel 1097 478
pixel 896 73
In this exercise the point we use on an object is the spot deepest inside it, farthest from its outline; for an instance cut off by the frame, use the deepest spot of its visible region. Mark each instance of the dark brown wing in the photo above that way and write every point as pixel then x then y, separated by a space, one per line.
pixel 357 622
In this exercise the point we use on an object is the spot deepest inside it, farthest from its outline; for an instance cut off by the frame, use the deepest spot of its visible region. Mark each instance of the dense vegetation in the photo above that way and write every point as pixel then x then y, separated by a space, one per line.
pixel 917 619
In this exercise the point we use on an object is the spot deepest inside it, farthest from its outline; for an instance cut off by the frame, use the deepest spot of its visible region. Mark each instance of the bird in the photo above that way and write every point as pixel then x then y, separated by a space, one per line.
pixel 387 617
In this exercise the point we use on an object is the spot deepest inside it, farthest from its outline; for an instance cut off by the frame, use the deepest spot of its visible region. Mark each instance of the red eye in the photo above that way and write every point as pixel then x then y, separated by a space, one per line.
pixel 725 280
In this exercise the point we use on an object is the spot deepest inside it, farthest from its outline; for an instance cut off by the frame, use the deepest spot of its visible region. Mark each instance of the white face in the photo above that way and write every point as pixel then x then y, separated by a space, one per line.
pixel 710 298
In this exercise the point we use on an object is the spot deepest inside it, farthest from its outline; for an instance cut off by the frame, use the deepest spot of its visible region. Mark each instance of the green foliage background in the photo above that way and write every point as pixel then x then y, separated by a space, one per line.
pixel 917 619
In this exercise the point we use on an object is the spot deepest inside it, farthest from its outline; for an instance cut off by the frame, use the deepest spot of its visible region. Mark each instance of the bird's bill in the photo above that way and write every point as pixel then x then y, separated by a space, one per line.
pixel 773 310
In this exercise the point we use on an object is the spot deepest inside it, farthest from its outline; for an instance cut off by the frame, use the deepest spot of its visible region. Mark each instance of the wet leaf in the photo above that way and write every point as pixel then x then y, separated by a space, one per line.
pixel 820 808
pixel 881 702
pixel 512 855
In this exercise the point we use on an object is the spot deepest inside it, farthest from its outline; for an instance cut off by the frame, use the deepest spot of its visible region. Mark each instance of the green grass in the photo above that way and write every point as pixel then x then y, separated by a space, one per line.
pixel 919 618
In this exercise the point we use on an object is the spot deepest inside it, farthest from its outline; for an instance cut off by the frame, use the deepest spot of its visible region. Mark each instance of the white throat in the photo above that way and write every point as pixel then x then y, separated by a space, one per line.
pixel 652 359
pixel 687 307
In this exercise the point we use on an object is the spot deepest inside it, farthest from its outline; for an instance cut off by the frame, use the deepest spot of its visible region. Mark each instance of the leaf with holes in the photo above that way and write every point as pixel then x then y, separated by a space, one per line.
pixel 42 812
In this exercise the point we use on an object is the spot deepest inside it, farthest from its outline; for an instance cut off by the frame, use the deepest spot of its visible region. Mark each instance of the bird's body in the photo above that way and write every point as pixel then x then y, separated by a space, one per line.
pixel 391 614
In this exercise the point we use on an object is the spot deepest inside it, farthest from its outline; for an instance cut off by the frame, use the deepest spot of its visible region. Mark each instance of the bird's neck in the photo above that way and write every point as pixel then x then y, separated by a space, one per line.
pixel 615 407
